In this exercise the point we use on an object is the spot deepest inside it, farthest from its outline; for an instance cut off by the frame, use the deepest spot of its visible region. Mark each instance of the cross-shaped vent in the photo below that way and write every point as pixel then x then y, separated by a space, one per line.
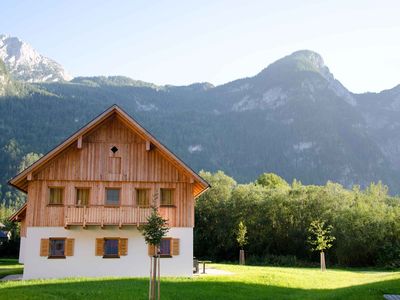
pixel 114 149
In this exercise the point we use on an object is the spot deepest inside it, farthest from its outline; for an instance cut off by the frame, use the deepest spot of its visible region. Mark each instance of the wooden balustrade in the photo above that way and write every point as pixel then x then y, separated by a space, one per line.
pixel 105 215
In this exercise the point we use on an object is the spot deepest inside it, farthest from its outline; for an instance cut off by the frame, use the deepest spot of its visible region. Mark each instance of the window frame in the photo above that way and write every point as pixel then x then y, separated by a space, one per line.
pixel 172 196
pixel 104 247
pixel 50 256
pixel 147 190
pixel 106 198
pixel 169 255
pixel 76 195
pixel 49 195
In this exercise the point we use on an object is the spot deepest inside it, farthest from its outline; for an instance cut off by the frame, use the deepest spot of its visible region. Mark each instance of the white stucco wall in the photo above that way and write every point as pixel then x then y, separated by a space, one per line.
pixel 85 263
pixel 22 250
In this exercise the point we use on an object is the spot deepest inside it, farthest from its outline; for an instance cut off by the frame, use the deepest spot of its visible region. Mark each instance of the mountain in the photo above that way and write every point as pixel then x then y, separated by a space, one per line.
pixel 8 86
pixel 26 64
pixel 293 118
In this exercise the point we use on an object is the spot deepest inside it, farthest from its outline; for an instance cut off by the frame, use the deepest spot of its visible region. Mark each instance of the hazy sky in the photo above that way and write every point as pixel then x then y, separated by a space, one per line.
pixel 216 41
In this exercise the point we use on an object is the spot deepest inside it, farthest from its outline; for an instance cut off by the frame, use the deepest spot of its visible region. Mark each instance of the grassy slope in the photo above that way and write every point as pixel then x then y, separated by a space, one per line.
pixel 246 283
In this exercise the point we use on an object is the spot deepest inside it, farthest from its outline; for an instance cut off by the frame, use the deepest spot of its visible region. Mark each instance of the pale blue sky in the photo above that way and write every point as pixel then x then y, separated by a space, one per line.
pixel 181 42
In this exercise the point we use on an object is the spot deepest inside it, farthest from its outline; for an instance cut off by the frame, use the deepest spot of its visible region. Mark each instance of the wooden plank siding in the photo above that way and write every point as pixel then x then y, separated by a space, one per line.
pixel 96 167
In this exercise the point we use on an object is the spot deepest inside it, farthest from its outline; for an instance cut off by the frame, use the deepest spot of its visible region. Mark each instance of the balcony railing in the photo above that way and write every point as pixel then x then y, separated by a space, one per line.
pixel 105 215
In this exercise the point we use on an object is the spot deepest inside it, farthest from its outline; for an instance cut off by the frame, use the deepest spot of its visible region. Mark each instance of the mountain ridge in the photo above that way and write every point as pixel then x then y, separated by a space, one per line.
pixel 26 64
pixel 292 118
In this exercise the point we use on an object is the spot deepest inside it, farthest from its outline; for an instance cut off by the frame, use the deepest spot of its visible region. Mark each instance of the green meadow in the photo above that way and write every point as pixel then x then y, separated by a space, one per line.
pixel 245 282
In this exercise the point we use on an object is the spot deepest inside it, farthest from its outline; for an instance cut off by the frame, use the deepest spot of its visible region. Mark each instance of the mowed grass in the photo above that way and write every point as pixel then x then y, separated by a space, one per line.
pixel 10 266
pixel 247 282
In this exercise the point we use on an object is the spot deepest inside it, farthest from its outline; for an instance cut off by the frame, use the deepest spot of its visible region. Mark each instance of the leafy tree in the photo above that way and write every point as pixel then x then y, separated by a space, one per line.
pixel 241 238
pixel 320 239
pixel 271 180
pixel 28 160
pixel 153 232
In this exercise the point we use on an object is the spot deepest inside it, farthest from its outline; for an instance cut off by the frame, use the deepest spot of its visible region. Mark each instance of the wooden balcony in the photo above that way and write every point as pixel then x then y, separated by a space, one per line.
pixel 105 215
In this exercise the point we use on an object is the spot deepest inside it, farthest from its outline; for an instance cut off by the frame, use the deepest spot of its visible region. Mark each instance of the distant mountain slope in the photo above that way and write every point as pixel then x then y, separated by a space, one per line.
pixel 9 87
pixel 26 64
pixel 293 118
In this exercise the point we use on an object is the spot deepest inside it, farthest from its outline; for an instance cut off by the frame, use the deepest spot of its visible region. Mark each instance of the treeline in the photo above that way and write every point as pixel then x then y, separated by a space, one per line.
pixel 9 248
pixel 366 223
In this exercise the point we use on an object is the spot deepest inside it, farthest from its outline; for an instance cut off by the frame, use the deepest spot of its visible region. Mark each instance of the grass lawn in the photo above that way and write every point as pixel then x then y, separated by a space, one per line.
pixel 245 283
pixel 9 266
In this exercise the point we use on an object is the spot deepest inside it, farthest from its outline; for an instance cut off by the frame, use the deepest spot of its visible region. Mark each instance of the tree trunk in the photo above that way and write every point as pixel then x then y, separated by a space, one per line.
pixel 241 257
pixel 323 266
pixel 154 285
pixel 151 276
pixel 159 279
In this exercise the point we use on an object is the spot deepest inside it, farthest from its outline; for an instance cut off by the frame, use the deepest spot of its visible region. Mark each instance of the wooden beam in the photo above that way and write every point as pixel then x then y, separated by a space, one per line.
pixel 191 180
pixel 79 144
pixel 148 145
pixel 29 176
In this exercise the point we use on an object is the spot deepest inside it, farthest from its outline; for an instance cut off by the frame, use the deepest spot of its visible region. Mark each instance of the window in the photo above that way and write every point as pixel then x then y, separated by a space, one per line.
pixel 112 196
pixel 142 199
pixel 165 247
pixel 111 247
pixel 167 198
pixel 56 195
pixel 57 248
pixel 82 196
pixel 114 149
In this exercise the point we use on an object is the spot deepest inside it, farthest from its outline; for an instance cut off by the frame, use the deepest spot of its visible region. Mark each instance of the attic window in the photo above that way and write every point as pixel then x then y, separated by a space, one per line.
pixel 114 149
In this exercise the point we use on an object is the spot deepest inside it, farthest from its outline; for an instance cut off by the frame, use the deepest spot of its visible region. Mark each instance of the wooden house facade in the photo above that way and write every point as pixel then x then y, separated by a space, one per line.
pixel 87 197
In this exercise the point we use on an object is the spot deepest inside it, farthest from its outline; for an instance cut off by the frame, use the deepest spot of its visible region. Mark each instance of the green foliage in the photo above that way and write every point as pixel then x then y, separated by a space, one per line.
pixel 320 237
pixel 270 180
pixel 246 283
pixel 9 248
pixel 241 237
pixel 28 159
pixel 155 228
pixel 242 143
pixel 365 222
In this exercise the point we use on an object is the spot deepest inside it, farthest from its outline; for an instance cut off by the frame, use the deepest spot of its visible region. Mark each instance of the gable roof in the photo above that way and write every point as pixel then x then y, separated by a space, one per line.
pixel 20 181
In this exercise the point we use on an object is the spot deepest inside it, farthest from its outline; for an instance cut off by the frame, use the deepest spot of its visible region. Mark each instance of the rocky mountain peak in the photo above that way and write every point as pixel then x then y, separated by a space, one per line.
pixel 26 64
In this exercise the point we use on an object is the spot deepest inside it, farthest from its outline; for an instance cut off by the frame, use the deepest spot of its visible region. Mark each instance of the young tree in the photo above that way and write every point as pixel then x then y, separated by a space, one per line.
pixel 241 238
pixel 320 238
pixel 153 232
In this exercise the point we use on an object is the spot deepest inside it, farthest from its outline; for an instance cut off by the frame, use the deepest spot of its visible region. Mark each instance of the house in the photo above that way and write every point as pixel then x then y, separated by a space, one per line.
pixel 87 198
pixel 4 235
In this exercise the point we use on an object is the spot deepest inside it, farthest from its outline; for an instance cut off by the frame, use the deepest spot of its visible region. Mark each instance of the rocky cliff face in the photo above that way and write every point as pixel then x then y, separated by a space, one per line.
pixel 26 64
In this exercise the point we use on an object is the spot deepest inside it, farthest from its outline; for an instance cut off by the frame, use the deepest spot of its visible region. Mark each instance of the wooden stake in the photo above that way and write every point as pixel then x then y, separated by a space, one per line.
pixel 323 266
pixel 151 268
pixel 241 257
pixel 154 276
pixel 158 292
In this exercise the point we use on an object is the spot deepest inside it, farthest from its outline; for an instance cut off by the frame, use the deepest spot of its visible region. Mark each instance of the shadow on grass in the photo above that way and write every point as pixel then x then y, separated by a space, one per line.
pixel 126 288
pixel 10 266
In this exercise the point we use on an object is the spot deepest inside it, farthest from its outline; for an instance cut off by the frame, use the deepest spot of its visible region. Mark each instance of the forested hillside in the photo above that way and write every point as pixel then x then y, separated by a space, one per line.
pixel 293 119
